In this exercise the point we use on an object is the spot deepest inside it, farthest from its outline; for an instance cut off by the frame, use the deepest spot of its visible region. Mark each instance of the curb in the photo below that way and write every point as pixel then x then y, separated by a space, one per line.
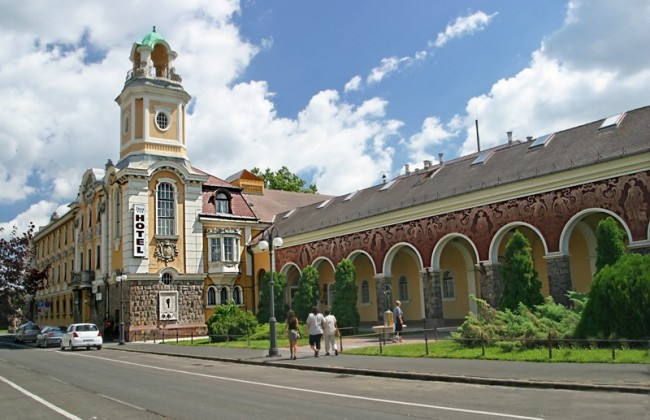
pixel 573 386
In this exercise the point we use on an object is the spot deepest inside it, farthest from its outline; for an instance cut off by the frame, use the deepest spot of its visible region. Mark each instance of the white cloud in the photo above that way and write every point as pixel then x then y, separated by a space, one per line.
pixel 464 25
pixel 432 133
pixel 353 84
pixel 38 213
pixel 388 65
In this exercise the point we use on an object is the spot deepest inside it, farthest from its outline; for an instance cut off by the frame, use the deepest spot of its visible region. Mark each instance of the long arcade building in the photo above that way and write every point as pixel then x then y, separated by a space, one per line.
pixel 186 241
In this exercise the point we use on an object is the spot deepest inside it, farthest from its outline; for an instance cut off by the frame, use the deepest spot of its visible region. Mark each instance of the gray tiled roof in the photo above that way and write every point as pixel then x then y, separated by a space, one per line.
pixel 578 146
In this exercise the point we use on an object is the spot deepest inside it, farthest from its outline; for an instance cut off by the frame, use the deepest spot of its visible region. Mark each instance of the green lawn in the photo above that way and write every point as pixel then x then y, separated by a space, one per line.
pixel 452 350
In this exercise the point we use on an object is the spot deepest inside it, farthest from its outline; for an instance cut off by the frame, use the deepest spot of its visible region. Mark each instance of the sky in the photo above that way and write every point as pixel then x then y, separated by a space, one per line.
pixel 341 92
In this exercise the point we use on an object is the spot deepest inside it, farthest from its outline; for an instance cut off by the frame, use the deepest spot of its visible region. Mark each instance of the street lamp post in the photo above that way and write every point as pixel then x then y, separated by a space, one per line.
pixel 270 242
pixel 121 278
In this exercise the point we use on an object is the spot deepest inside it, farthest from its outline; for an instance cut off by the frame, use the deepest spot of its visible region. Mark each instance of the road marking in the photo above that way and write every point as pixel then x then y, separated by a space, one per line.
pixel 121 402
pixel 40 400
pixel 311 391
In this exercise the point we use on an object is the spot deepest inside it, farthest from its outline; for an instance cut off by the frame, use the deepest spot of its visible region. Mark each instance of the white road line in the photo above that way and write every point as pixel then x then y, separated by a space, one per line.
pixel 121 402
pixel 310 391
pixel 41 400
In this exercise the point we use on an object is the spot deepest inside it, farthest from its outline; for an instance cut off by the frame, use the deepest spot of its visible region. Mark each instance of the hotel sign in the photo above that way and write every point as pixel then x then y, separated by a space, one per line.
pixel 139 230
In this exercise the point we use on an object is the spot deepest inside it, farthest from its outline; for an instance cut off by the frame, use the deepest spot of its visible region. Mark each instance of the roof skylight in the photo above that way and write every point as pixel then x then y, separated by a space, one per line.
pixel 324 203
pixel 485 155
pixel 351 195
pixel 541 141
pixel 614 120
pixel 388 185
pixel 289 214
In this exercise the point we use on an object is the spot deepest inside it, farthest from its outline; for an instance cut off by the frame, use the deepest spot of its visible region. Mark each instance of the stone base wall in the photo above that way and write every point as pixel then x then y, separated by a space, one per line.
pixel 559 278
pixel 490 284
pixel 432 299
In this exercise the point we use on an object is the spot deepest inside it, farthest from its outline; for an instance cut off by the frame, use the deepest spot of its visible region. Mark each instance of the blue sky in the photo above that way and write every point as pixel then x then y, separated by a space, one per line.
pixel 340 92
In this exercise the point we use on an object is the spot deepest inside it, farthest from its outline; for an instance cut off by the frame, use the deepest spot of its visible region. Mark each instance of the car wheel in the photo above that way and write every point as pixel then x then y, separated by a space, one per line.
pixel 70 346
pixel 99 347
pixel 62 347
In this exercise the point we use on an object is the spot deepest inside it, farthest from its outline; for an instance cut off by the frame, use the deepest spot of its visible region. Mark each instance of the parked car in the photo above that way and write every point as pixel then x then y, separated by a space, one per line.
pixel 50 335
pixel 82 335
pixel 27 332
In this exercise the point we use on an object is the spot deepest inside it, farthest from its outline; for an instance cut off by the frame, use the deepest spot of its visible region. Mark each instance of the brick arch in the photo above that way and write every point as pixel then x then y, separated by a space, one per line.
pixel 392 252
pixel 501 233
pixel 444 241
pixel 354 254
pixel 573 222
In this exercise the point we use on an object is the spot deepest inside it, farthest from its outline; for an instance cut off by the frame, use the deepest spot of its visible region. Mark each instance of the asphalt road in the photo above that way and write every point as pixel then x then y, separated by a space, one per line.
pixel 38 383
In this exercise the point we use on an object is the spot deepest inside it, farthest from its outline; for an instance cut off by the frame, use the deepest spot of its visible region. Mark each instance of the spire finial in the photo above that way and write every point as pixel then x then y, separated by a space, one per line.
pixel 154 28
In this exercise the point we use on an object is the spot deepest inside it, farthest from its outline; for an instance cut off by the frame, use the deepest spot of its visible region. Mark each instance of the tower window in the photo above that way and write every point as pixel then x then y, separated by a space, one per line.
pixel 165 209
pixel 162 120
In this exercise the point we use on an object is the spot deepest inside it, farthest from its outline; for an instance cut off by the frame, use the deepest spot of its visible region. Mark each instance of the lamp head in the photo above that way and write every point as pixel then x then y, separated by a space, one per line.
pixel 277 242
pixel 264 245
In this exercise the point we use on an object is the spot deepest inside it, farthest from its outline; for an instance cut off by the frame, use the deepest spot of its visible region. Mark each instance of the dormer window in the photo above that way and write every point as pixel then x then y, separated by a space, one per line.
pixel 222 202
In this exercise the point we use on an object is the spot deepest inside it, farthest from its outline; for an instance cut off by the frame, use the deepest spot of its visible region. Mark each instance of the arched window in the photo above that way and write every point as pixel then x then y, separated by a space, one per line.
pixel 167 278
pixel 448 286
pixel 403 289
pixel 223 295
pixel 222 203
pixel 212 296
pixel 165 210
pixel 237 295
pixel 65 312
pixel 365 292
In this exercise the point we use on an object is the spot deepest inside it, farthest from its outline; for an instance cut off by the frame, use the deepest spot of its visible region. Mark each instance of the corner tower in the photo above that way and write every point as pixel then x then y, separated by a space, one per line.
pixel 152 105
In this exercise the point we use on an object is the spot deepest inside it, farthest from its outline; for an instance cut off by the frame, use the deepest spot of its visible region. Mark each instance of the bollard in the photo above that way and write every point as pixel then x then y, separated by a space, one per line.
pixel 426 343
pixel 482 345
pixel 192 337
pixel 550 346
pixel 381 350
pixel 176 336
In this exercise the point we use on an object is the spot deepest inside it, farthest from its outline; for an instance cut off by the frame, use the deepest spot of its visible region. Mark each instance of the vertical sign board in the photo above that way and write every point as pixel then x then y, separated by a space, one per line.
pixel 139 230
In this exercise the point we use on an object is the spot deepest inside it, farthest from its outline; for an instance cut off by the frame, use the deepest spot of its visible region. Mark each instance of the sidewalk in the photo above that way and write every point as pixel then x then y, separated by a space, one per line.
pixel 630 378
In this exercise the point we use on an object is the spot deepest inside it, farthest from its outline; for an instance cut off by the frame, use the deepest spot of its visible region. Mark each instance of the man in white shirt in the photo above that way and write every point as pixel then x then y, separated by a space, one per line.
pixel 315 324
pixel 329 333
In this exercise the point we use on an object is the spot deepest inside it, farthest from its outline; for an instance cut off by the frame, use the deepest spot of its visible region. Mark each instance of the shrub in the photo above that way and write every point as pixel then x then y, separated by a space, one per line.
pixel 619 301
pixel 264 308
pixel 520 280
pixel 609 243
pixel 307 294
pixel 229 320
pixel 344 306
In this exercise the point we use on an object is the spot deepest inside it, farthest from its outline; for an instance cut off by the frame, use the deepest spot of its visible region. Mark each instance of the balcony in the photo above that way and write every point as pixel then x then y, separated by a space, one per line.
pixel 82 279
pixel 225 268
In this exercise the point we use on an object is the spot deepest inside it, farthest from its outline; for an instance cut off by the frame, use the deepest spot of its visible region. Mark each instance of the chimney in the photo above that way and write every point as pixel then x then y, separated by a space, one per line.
pixel 440 158
pixel 509 133
pixel 427 164
pixel 407 169
pixel 529 138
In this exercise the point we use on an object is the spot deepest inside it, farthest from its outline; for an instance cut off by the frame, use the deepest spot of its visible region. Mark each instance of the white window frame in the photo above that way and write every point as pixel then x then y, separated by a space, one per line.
pixel 224 245
pixel 220 298
pixel 237 290
pixel 219 202
pixel 164 111
pixel 159 228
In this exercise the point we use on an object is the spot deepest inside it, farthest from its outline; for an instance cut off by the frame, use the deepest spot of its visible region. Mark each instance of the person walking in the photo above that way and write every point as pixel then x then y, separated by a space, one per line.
pixel 329 333
pixel 398 318
pixel 293 331
pixel 315 325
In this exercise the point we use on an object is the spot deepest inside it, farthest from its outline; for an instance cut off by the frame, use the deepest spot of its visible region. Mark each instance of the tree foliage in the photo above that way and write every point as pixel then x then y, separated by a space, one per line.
pixel 280 308
pixel 229 320
pixel 18 277
pixel 284 180
pixel 619 301
pixel 609 240
pixel 519 278
pixel 307 294
pixel 344 306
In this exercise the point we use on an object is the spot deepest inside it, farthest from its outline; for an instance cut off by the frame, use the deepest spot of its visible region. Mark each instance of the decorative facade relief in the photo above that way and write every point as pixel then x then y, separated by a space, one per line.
pixel 166 250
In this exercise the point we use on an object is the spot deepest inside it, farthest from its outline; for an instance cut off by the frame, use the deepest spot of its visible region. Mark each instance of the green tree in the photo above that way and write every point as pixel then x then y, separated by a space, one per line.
pixel 264 307
pixel 284 180
pixel 229 320
pixel 519 278
pixel 619 301
pixel 18 277
pixel 307 294
pixel 344 306
pixel 609 243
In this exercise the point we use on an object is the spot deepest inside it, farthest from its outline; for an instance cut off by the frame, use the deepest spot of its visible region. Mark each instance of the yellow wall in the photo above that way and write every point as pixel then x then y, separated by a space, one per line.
pixel 404 264
pixel 155 265
pixel 580 262
pixel 364 270
pixel 452 260
pixel 139 118
pixel 171 132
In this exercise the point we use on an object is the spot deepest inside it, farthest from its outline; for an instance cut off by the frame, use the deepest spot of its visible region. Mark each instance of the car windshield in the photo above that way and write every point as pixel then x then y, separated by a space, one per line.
pixel 87 328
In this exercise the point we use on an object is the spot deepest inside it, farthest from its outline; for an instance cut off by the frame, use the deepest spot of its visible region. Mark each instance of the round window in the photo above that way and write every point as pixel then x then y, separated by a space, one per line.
pixel 167 278
pixel 162 120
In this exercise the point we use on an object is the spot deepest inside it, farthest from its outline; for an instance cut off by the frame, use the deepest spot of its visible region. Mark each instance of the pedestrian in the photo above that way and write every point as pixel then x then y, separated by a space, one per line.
pixel 293 330
pixel 398 316
pixel 315 325
pixel 329 333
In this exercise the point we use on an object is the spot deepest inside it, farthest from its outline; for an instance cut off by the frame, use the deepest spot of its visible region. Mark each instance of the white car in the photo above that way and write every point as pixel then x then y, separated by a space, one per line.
pixel 82 335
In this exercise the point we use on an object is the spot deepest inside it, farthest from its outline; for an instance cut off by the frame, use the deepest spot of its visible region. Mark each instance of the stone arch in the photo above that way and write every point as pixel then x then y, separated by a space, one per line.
pixel 366 270
pixel 292 273
pixel 578 243
pixel 407 261
pixel 538 245
pixel 326 271
pixel 457 254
